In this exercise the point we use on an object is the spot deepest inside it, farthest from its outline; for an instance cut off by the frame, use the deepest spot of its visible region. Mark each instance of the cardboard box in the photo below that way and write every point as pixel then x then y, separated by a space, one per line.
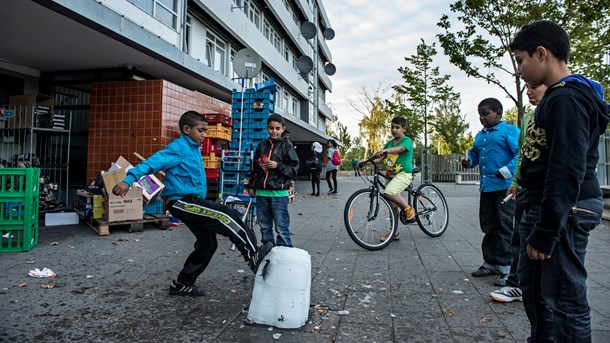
pixel 128 207
pixel 120 208
pixel 111 178
pixel 151 188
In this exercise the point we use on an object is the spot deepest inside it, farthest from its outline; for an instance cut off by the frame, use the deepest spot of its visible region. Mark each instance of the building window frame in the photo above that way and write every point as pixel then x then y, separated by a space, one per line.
pixel 157 9
pixel 216 53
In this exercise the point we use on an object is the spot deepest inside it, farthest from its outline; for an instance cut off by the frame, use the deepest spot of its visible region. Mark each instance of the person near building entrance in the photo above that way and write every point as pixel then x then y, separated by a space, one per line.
pixel 495 151
pixel 315 167
pixel 185 192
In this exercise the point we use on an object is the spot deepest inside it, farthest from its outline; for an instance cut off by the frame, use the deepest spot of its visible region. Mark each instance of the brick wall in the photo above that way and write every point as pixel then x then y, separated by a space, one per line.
pixel 138 116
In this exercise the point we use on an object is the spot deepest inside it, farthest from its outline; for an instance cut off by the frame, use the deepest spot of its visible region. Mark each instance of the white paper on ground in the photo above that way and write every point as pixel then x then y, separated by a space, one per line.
pixel 45 272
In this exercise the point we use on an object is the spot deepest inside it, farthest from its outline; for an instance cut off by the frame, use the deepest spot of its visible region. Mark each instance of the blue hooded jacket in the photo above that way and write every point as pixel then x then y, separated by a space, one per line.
pixel 184 173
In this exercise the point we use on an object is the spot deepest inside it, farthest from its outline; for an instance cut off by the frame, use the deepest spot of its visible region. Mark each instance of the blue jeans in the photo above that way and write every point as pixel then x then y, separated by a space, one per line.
pixel 272 210
pixel 554 290
pixel 496 221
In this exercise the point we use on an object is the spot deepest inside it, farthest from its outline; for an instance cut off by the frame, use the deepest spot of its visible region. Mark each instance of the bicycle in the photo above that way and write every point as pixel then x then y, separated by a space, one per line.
pixel 369 215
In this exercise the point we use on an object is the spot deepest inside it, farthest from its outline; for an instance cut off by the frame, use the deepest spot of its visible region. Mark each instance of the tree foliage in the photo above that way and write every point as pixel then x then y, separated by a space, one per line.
pixel 451 127
pixel 415 123
pixel 479 44
pixel 344 137
pixel 423 86
pixel 376 117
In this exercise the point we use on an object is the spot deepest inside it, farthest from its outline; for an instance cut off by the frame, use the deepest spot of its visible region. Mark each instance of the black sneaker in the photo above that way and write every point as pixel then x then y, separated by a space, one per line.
pixel 482 271
pixel 259 256
pixel 182 289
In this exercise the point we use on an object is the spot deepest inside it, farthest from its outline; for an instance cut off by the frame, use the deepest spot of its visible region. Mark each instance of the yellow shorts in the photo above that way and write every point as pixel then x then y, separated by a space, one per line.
pixel 398 184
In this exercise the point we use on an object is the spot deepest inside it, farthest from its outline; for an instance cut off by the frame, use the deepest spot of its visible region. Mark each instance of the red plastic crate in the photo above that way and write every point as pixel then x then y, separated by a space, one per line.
pixel 214 118
pixel 208 146
pixel 213 174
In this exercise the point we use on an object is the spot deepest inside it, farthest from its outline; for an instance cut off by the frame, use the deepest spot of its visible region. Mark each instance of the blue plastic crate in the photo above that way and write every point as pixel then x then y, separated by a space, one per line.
pixel 155 207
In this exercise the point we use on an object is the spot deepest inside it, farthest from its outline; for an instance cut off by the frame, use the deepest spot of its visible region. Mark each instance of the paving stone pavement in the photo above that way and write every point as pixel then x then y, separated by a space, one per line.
pixel 419 289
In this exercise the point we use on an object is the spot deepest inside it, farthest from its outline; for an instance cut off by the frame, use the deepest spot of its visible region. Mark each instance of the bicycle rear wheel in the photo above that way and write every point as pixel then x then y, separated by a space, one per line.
pixel 431 210
pixel 367 218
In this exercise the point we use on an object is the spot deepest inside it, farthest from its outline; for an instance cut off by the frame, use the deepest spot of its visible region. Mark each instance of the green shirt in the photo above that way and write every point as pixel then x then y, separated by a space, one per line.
pixel 400 162
pixel 272 193
pixel 525 121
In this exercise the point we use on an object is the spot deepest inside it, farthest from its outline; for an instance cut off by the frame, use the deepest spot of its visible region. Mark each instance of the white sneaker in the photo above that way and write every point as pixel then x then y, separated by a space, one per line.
pixel 507 294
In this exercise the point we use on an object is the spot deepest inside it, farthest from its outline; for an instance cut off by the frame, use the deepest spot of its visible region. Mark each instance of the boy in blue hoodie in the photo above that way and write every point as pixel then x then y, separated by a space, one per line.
pixel 562 198
pixel 185 191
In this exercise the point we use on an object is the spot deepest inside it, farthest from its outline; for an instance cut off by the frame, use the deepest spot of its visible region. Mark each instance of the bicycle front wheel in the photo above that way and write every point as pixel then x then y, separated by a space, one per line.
pixel 431 210
pixel 368 217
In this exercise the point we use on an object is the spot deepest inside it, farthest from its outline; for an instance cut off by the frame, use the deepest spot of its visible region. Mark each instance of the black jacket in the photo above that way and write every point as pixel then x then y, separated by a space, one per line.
pixel 560 155
pixel 280 151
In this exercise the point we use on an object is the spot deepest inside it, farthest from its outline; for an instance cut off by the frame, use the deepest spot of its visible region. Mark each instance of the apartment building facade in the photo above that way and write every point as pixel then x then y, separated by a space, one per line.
pixel 67 48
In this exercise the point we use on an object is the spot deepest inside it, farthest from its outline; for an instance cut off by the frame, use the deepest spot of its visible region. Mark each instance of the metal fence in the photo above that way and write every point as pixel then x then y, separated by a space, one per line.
pixel 447 168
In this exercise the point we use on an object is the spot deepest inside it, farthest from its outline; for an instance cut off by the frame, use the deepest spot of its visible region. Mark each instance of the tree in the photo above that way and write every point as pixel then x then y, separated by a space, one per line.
pixel 344 137
pixel 374 126
pixel 451 126
pixel 415 123
pixel 424 87
pixel 480 45
pixel 511 115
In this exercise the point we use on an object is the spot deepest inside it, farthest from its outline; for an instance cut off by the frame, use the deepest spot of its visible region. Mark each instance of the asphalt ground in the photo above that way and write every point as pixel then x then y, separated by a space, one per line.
pixel 419 289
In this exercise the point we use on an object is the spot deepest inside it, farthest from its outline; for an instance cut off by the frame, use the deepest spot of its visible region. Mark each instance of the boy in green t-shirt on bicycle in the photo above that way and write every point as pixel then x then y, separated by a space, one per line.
pixel 399 154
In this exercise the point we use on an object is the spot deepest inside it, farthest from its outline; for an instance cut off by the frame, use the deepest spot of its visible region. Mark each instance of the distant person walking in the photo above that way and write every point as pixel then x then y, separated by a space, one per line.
pixel 495 151
pixel 315 167
pixel 331 168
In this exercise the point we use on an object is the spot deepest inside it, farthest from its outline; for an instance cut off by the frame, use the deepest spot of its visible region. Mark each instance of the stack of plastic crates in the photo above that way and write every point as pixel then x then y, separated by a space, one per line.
pixel 218 137
pixel 19 188
pixel 249 112
pixel 235 167
pixel 250 116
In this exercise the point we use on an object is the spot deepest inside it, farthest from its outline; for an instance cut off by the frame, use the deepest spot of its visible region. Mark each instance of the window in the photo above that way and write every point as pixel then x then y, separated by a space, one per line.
pixel 267 29
pixel 286 53
pixel 277 41
pixel 246 6
pixel 278 97
pixel 215 53
pixel 285 101
pixel 295 106
pixel 187 35
pixel 232 69
pixel 255 16
pixel 165 11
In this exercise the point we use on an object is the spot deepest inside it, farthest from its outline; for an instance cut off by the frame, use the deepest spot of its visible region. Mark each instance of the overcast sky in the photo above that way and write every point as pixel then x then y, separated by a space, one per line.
pixel 372 38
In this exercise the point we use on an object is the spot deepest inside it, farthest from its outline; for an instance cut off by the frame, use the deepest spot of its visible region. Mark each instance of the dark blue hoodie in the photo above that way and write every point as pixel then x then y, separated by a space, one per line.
pixel 560 154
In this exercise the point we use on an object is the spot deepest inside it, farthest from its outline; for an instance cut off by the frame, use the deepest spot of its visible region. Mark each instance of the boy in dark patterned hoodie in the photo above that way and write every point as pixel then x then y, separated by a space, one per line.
pixel 562 197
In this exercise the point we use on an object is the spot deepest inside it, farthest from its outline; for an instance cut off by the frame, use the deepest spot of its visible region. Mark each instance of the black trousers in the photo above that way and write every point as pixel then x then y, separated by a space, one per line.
pixel 334 175
pixel 315 179
pixel 206 219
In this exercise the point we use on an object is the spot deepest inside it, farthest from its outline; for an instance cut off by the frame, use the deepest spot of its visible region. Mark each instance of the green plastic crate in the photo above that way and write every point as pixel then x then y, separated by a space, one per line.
pixel 19 191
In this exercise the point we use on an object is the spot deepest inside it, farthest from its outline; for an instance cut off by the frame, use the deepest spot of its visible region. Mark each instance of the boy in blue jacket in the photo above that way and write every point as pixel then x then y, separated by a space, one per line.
pixel 185 191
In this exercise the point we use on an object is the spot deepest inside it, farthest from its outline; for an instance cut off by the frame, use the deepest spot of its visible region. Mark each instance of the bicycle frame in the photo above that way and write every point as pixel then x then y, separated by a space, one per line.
pixel 377 185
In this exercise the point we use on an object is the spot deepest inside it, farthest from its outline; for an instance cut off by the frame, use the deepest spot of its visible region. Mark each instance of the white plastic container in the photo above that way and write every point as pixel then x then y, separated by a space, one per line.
pixel 282 290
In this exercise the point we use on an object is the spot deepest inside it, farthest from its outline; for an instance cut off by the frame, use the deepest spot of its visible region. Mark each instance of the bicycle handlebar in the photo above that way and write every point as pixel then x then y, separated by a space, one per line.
pixel 371 159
